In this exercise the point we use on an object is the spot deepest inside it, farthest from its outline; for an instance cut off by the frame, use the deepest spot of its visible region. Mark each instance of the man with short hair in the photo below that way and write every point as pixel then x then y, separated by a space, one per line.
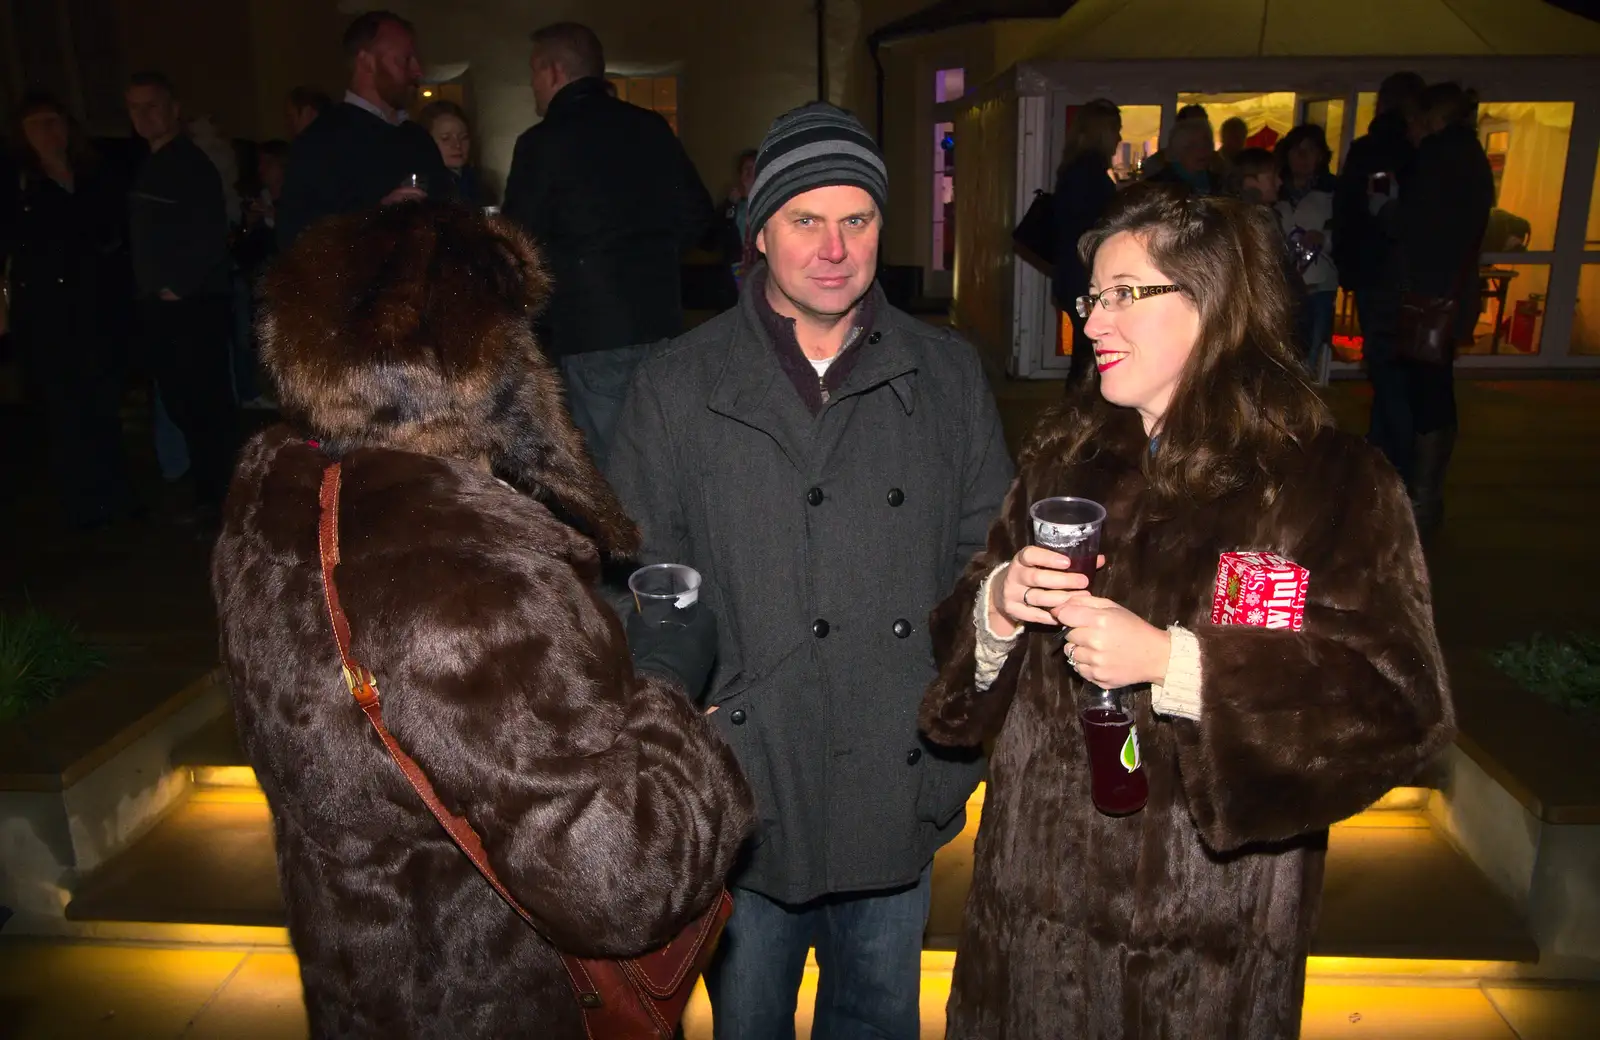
pixel 302 107
pixel 828 464
pixel 178 237
pixel 608 193
pixel 364 152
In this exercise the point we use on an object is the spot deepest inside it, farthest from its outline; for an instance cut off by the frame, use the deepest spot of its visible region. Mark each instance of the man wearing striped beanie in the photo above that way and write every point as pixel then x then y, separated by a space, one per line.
pixel 828 464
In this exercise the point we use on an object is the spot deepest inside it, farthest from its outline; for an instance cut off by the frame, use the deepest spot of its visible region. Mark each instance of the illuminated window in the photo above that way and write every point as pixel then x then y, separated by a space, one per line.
pixel 1141 137
pixel 1328 113
pixel 1511 306
pixel 948 85
pixel 1366 111
pixel 1269 116
pixel 1526 143
pixel 1586 319
pixel 657 93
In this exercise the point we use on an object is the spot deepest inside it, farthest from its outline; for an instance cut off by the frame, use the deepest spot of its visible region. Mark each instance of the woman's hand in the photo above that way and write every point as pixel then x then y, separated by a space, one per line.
pixel 1111 646
pixel 1036 583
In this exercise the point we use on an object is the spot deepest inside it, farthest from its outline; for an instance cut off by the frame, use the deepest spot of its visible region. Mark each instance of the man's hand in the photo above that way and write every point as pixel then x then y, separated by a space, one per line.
pixel 403 194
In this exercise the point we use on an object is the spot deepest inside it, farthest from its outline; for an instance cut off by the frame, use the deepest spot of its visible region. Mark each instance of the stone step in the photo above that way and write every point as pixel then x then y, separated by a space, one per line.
pixel 1395 888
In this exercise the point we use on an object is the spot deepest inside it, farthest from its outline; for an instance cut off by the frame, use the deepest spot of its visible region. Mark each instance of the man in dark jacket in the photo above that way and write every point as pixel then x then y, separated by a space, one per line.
pixel 828 464
pixel 614 203
pixel 1443 215
pixel 178 235
pixel 1366 250
pixel 364 151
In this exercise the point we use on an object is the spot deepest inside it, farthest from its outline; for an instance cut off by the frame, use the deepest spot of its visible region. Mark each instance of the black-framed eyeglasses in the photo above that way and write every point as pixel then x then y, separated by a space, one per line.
pixel 1119 297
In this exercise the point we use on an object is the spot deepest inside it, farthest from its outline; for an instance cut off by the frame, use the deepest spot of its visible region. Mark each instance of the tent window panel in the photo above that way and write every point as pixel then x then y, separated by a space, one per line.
pixel 1141 138
pixel 1269 116
pixel 1329 114
pixel 1586 319
pixel 1511 306
pixel 1366 111
pixel 1526 142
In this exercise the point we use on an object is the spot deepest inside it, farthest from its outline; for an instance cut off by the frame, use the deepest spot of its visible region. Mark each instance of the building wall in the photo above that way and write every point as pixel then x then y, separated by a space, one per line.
pixel 203 45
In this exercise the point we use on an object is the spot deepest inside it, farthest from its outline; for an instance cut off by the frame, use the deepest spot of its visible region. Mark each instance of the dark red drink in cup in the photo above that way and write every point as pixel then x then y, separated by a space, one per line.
pixel 1071 527
pixel 1116 770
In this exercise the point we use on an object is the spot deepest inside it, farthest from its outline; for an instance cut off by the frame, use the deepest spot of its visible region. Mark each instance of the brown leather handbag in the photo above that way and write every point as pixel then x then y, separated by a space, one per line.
pixel 637 998
pixel 1427 329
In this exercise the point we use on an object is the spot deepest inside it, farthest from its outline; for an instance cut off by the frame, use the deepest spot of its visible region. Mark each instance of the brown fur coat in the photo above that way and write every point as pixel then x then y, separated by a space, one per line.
pixel 605 801
pixel 1192 918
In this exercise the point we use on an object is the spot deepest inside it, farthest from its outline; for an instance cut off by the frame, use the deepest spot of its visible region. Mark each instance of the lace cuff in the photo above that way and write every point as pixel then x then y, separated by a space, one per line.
pixel 1179 696
pixel 992 649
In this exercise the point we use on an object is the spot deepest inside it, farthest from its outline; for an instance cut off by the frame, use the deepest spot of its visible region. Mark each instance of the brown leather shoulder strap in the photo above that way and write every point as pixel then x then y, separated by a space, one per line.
pixel 364 688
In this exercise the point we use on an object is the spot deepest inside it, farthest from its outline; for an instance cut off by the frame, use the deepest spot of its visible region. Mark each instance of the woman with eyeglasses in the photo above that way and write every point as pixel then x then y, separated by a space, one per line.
pixel 1199 433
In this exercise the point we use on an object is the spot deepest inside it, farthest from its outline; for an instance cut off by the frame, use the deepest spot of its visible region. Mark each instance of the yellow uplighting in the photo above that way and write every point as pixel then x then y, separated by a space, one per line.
pixel 427 93
pixel 224 776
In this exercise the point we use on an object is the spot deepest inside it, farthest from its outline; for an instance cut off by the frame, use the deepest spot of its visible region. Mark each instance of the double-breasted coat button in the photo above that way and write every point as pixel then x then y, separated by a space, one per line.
pixel 819 628
pixel 902 628
pixel 875 337
pixel 897 497
pixel 814 496
pixel 913 756
pixel 736 717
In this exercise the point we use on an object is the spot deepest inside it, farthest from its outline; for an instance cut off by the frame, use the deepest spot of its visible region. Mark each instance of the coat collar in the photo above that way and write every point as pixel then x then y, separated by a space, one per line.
pixel 752 372
pixel 574 92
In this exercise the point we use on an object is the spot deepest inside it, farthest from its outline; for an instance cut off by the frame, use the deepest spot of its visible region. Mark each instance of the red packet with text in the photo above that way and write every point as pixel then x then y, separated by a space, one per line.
pixel 1263 590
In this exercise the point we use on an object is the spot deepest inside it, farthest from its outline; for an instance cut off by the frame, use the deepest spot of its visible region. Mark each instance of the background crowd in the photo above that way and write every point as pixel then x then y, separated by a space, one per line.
pixel 1406 214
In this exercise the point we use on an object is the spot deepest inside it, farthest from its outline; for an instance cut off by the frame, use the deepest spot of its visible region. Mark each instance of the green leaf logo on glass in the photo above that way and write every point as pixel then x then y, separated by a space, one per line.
pixel 1130 752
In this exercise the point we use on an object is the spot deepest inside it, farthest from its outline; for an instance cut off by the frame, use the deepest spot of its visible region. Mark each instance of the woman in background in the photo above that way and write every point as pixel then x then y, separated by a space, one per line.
pixel 447 123
pixel 1305 209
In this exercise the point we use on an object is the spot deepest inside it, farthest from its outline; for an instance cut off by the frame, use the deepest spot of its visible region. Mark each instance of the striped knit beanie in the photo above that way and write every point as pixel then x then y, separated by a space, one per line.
pixel 814 146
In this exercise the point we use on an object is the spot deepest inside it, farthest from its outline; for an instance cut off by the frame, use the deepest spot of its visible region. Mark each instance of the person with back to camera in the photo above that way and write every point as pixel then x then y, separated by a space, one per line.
pixel 469 528
pixel 1191 916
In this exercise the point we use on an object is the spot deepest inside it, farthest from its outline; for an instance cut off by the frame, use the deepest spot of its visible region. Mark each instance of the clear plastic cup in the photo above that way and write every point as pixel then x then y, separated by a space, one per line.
pixel 662 592
pixel 1070 526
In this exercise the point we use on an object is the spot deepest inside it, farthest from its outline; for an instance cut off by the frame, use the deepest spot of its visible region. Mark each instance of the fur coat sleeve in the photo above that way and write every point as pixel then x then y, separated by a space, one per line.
pixel 1299 730
pixel 606 803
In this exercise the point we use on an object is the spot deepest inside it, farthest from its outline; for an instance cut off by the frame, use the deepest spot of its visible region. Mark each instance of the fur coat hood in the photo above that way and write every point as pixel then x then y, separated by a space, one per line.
pixel 410 327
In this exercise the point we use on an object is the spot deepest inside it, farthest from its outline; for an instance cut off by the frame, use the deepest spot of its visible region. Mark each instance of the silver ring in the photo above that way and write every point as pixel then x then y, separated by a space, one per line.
pixel 1026 589
pixel 1072 656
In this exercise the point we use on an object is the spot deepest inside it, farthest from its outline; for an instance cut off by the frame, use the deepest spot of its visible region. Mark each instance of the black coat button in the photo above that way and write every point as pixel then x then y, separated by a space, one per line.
pixel 736 716
pixel 902 628
pixel 897 497
pixel 875 337
pixel 913 756
pixel 814 496
pixel 819 628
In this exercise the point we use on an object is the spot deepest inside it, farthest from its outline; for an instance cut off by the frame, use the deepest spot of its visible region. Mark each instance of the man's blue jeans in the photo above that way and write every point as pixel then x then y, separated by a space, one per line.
pixel 869 958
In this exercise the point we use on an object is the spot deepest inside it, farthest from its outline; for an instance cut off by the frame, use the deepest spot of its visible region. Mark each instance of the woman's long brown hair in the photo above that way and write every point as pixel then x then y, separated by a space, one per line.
pixel 1243 399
